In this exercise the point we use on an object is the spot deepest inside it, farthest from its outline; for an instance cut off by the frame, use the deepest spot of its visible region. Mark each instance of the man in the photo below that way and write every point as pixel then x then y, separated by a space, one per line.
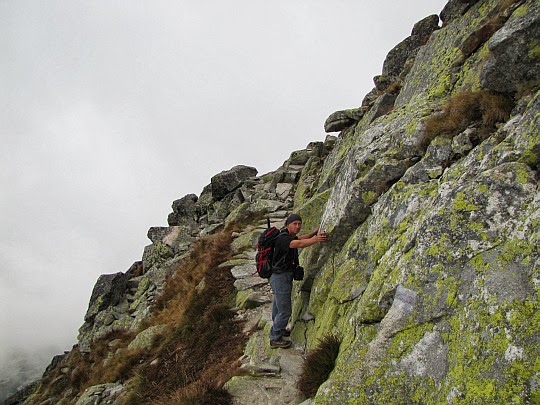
pixel 285 260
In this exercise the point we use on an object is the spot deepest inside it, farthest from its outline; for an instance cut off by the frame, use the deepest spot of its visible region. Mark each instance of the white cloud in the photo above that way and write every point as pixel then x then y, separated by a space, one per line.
pixel 112 110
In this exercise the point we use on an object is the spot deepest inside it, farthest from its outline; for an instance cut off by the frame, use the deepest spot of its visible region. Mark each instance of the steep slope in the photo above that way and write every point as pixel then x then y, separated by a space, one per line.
pixel 431 273
pixel 430 276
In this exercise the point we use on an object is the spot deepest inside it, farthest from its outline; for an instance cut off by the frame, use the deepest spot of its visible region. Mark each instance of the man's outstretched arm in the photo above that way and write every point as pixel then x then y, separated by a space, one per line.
pixel 305 242
pixel 310 235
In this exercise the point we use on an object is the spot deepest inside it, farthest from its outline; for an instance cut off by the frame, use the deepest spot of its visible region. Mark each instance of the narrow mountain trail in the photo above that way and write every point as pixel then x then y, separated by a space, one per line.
pixel 268 376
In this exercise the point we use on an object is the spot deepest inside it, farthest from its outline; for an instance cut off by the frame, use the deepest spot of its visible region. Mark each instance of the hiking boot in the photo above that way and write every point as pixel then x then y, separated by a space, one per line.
pixel 285 332
pixel 280 344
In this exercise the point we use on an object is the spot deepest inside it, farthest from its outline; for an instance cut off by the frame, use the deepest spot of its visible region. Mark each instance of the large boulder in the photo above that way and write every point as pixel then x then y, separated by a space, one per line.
pixel 396 59
pixel 155 255
pixel 229 180
pixel 108 291
pixel 107 303
pixel 514 61
pixel 178 238
pixel 145 338
pixel 455 9
pixel 204 204
pixel 101 394
pixel 441 267
pixel 340 120
pixel 184 211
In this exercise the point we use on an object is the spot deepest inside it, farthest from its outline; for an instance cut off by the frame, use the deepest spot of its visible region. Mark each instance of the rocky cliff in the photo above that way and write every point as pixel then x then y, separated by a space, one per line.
pixel 430 277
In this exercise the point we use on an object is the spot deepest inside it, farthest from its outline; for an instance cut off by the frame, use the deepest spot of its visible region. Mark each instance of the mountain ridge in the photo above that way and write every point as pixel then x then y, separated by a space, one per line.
pixel 430 275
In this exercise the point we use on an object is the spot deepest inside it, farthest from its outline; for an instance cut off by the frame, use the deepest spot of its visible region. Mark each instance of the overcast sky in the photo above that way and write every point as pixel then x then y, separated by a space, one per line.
pixel 111 110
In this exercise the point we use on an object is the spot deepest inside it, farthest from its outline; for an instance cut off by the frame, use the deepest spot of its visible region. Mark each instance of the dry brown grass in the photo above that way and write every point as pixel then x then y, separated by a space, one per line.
pixel 394 88
pixel 200 392
pixel 318 365
pixel 190 361
pixel 497 19
pixel 87 369
pixel 199 352
pixel 177 295
pixel 505 4
pixel 483 109
pixel 480 36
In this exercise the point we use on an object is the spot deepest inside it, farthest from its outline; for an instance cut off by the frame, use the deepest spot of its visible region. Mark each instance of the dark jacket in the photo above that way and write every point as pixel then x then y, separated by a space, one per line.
pixel 284 258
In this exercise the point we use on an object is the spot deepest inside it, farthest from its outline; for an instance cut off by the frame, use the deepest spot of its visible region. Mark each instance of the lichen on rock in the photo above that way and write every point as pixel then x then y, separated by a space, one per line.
pixel 431 273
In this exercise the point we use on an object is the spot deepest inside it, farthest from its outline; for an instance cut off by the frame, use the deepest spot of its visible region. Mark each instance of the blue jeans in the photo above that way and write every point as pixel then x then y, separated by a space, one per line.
pixel 281 284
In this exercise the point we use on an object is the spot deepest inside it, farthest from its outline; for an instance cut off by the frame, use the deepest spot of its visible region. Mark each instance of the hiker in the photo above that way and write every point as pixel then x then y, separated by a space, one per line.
pixel 285 262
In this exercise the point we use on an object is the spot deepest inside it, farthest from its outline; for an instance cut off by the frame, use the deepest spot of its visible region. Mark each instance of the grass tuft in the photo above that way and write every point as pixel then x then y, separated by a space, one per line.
pixel 318 365
pixel 200 392
pixel 505 4
pixel 483 109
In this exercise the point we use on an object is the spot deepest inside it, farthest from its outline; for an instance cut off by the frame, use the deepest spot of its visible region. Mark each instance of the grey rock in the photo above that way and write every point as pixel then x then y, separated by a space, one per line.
pixel 455 9
pixel 512 62
pixel 383 82
pixel 260 206
pixel 178 238
pixel 340 120
pixel 316 149
pixel 243 284
pixel 438 156
pixel 145 338
pixel 204 202
pixel 155 255
pixel 396 59
pixel 101 394
pixel 425 27
pixel 370 98
pixel 283 190
pixel 257 298
pixel 243 271
pixel 184 211
pixel 222 208
pixel 429 357
pixel 290 176
pixel 261 369
pixel 211 229
pixel 382 106
pixel 108 291
pixel 299 157
pixel 229 180
pixel 461 144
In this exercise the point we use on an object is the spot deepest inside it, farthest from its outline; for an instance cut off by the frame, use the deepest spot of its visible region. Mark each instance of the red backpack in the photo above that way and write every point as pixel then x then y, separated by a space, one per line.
pixel 265 251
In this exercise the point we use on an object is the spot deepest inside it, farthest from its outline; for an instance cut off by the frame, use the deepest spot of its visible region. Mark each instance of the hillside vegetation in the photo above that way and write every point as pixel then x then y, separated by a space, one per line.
pixel 427 289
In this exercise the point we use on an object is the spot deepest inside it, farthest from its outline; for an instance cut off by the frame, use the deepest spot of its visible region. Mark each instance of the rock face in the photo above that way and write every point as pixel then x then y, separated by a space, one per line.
pixel 515 53
pixel 431 274
pixel 397 58
pixel 121 301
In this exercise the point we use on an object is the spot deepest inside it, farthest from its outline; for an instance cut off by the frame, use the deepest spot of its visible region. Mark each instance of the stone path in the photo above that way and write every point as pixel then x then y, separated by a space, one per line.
pixel 268 375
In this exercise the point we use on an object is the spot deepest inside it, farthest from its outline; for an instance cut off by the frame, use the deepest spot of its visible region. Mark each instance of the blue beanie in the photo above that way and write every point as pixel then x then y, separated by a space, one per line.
pixel 291 218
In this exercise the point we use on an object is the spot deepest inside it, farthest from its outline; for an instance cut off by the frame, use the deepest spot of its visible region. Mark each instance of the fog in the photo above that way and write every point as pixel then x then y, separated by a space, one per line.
pixel 113 110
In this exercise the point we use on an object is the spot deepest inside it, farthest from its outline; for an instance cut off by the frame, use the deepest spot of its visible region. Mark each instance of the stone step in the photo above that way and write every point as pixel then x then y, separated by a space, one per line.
pixel 271 381
pixel 249 282
pixel 261 370
pixel 244 271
